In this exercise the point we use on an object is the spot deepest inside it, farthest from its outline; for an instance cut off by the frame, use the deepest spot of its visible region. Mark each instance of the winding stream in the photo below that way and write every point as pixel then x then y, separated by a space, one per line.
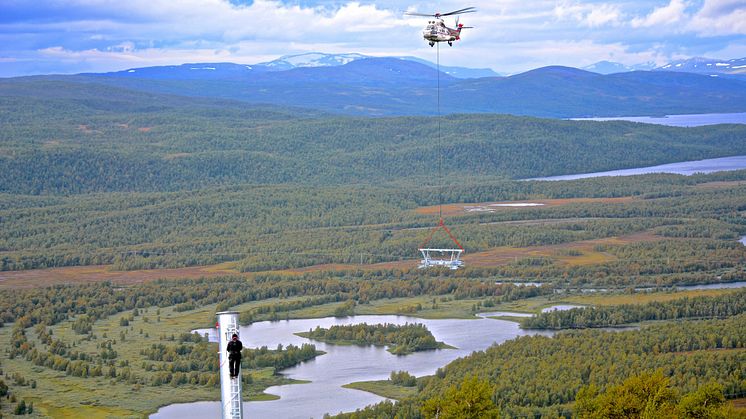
pixel 344 364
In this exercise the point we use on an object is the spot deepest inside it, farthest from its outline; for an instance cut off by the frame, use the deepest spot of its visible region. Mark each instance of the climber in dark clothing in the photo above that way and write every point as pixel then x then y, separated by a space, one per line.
pixel 234 355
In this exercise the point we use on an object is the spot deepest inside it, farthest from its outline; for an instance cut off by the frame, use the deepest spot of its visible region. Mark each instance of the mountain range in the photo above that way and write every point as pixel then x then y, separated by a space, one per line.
pixel 284 63
pixel 354 84
pixel 697 65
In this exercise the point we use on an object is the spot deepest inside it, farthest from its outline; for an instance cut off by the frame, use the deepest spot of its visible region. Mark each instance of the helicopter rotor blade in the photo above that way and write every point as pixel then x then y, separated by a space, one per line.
pixel 455 12
pixel 418 14
pixel 460 11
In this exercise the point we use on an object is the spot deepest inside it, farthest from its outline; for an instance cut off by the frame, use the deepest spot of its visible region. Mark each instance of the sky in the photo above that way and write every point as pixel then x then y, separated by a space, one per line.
pixel 510 36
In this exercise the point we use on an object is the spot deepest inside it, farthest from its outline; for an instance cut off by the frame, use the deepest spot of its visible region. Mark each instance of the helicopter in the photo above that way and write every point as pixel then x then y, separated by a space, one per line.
pixel 437 31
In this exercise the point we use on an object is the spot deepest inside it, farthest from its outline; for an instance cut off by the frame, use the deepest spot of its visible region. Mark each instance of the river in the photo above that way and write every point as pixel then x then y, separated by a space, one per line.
pixel 344 364
pixel 690 120
pixel 716 285
pixel 682 168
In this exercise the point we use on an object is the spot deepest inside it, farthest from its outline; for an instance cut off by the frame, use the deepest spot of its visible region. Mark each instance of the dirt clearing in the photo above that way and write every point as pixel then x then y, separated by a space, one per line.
pixel 450 210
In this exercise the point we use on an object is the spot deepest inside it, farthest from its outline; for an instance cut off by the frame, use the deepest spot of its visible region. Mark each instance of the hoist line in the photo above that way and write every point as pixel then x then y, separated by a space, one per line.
pixel 440 146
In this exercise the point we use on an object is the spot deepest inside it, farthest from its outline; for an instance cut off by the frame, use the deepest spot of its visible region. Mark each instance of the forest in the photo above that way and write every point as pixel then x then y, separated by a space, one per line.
pixel 400 339
pixel 101 331
pixel 59 138
pixel 537 375
pixel 287 213
pixel 277 227
pixel 610 316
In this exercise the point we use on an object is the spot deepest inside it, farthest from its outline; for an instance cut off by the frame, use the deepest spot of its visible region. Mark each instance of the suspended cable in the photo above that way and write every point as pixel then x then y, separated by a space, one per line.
pixel 439 146
pixel 450 258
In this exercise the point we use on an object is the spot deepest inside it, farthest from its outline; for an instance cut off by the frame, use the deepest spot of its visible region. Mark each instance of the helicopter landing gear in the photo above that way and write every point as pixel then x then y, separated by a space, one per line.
pixel 432 44
pixel 450 44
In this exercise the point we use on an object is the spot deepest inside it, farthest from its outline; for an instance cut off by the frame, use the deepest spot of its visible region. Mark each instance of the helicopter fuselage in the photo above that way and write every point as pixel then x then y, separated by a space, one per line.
pixel 437 31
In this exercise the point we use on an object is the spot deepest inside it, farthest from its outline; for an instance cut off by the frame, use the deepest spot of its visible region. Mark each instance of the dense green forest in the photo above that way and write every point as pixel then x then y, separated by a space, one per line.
pixel 63 138
pixel 609 316
pixel 101 331
pixel 101 175
pixel 119 340
pixel 276 227
pixel 401 340
pixel 93 175
pixel 538 375
pixel 645 394
pixel 52 305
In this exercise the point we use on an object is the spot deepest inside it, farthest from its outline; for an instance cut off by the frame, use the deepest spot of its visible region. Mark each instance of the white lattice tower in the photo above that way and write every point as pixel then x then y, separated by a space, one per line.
pixel 230 389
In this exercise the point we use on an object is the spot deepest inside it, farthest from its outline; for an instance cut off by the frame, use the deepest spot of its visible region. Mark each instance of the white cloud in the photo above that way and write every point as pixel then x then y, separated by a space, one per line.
pixel 591 15
pixel 674 12
pixel 115 60
pixel 720 17
pixel 569 53
pixel 509 35
pixel 603 15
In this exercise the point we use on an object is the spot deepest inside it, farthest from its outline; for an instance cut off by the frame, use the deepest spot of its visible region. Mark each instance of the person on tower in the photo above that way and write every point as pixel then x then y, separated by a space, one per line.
pixel 234 355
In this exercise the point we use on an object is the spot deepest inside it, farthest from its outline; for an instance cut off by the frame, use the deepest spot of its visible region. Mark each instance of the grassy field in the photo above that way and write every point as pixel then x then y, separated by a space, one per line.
pixel 383 388
pixel 60 395
pixel 451 210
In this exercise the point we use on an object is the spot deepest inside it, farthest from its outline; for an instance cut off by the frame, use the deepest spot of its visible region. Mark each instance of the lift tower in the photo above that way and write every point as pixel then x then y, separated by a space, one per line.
pixel 230 388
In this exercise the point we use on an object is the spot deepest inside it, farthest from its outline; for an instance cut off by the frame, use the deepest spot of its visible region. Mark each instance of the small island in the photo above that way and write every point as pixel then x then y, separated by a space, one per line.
pixel 401 340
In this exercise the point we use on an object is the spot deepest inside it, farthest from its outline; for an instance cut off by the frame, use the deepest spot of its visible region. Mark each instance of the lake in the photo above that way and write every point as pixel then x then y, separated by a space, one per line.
pixel 518 284
pixel 713 286
pixel 344 364
pixel 682 168
pixel 560 307
pixel 690 120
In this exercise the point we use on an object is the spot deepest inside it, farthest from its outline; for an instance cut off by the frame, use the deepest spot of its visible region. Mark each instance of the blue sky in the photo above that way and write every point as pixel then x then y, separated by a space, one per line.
pixel 71 36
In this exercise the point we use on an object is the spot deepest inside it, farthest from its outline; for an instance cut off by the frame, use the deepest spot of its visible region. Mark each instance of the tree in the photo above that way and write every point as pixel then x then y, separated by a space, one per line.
pixel 471 399
pixel 649 396
pixel 20 408
pixel 640 396
pixel 705 403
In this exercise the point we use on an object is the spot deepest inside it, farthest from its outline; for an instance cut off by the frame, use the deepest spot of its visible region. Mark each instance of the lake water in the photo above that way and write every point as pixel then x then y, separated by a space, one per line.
pixel 722 285
pixel 715 286
pixel 690 120
pixel 344 364
pixel 560 307
pixel 504 313
pixel 682 168
pixel 525 284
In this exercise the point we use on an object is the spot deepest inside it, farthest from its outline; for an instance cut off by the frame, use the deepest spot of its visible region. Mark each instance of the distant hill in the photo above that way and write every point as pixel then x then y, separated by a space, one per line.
pixel 563 91
pixel 232 71
pixel 393 86
pixel 66 137
pixel 311 59
pixel 707 66
pixel 458 72
pixel 698 65
pixel 610 67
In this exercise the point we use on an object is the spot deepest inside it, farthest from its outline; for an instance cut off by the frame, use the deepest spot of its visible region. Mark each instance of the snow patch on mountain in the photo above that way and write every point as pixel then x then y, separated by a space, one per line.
pixel 312 59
